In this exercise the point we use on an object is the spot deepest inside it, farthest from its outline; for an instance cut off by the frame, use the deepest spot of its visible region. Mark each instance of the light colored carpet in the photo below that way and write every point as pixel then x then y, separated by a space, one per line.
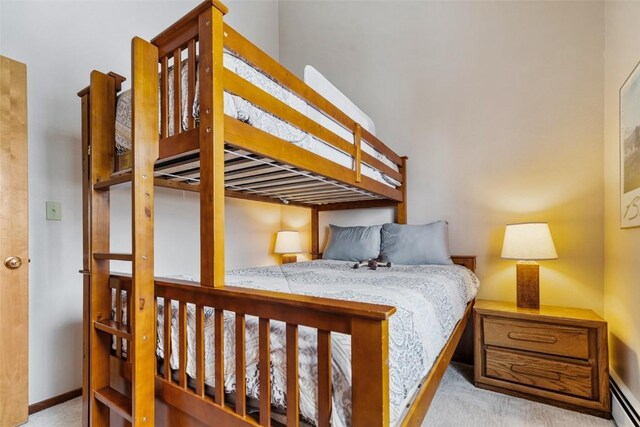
pixel 456 404
pixel 67 414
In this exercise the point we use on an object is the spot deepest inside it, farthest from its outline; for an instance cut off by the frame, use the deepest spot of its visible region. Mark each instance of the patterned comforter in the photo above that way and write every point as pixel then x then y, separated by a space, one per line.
pixel 430 300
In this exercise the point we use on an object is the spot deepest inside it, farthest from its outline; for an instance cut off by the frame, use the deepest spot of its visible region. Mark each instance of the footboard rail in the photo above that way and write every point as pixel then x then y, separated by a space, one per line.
pixel 367 324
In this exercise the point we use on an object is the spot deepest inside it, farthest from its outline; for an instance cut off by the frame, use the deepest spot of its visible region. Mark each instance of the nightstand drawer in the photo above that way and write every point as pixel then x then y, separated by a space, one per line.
pixel 554 375
pixel 538 337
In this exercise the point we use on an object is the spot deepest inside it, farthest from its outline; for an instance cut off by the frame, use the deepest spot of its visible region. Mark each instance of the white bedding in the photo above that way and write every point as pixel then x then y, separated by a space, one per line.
pixel 316 81
pixel 243 110
pixel 430 300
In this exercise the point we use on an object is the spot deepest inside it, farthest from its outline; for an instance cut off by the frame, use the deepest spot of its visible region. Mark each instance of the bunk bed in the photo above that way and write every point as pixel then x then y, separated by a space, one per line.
pixel 183 133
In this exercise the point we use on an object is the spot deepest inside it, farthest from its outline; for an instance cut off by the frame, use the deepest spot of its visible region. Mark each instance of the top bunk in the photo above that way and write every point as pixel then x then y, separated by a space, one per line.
pixel 282 141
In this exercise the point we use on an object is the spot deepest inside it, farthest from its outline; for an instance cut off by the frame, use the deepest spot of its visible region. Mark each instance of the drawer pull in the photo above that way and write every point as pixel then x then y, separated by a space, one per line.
pixel 547 339
pixel 535 372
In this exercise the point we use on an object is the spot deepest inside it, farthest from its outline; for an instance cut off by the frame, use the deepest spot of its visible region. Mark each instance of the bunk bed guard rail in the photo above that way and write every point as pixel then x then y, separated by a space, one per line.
pixel 367 324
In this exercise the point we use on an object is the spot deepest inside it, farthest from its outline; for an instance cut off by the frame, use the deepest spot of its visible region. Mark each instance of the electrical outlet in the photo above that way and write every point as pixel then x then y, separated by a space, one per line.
pixel 54 211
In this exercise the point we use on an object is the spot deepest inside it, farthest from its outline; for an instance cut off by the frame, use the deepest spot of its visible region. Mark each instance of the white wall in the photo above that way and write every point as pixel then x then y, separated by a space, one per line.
pixel 622 286
pixel 61 42
pixel 499 107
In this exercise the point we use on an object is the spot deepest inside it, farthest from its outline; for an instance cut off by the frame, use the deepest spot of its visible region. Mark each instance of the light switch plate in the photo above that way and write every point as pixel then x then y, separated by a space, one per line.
pixel 54 211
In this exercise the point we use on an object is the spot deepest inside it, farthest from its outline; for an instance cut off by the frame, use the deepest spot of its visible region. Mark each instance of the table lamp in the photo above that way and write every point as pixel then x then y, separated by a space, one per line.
pixel 527 242
pixel 288 244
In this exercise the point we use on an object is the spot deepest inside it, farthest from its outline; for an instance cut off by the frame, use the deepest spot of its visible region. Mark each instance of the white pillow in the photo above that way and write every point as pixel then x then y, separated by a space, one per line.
pixel 324 87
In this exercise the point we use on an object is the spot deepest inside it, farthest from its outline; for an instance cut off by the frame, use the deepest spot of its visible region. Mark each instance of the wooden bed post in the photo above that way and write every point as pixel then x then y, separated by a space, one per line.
pixel 145 152
pixel 315 233
pixel 211 133
pixel 102 101
pixel 401 210
pixel 370 372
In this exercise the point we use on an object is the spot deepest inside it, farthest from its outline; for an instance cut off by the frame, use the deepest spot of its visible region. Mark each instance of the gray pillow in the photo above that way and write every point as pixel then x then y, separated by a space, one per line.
pixel 416 244
pixel 353 243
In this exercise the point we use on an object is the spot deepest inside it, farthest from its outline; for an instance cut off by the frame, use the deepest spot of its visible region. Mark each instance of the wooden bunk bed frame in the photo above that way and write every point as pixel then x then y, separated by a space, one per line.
pixel 119 385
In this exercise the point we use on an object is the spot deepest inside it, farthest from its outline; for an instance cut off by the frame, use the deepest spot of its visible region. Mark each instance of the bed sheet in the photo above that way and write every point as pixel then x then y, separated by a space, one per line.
pixel 430 300
pixel 243 110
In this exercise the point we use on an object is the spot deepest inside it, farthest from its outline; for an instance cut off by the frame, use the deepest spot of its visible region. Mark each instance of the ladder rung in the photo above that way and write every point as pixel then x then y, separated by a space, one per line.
pixel 107 183
pixel 115 400
pixel 113 256
pixel 114 328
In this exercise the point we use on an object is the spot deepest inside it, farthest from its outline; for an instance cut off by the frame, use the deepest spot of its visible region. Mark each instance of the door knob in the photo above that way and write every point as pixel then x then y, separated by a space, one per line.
pixel 13 262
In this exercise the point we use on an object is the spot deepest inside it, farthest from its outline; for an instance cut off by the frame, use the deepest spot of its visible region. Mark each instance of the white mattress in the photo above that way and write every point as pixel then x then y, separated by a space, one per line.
pixel 243 110
pixel 430 300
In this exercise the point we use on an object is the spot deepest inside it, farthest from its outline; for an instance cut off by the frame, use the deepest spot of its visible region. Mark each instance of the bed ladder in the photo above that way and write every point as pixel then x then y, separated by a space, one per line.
pixel 102 396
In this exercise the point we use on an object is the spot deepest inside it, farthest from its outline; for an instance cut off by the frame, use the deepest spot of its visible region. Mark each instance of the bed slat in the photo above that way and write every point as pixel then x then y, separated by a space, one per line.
pixel 129 309
pixel 291 177
pixel 261 176
pixel 293 398
pixel 177 91
pixel 296 179
pixel 182 351
pixel 284 190
pixel 258 170
pixel 325 190
pixel 164 97
pixel 241 384
pixel 118 318
pixel 191 82
pixel 324 378
pixel 242 135
pixel 328 195
pixel 238 164
pixel 265 371
pixel 167 339
pixel 332 198
pixel 370 373
pixel 219 355
pixel 357 158
pixel 200 350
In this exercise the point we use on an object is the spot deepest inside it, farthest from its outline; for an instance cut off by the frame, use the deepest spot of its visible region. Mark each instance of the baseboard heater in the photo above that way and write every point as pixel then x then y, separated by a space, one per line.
pixel 624 414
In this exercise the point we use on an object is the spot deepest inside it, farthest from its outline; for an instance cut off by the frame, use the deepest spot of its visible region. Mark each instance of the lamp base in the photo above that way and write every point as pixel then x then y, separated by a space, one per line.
pixel 528 277
pixel 287 259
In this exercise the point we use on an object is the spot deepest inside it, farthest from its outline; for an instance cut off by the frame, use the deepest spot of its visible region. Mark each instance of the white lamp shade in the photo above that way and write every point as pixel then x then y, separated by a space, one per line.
pixel 288 242
pixel 528 241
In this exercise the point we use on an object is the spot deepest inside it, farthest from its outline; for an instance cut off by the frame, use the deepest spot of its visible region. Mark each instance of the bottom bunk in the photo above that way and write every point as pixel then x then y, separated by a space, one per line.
pixel 322 323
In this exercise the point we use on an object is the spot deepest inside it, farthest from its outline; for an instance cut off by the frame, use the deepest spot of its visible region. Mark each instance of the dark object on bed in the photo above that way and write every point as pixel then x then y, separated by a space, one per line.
pixel 372 264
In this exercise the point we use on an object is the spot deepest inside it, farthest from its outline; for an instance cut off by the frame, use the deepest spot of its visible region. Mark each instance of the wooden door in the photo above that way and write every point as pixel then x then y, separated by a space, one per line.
pixel 14 257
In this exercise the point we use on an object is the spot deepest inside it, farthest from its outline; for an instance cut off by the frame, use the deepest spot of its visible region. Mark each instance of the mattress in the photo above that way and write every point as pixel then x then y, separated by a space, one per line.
pixel 245 111
pixel 430 300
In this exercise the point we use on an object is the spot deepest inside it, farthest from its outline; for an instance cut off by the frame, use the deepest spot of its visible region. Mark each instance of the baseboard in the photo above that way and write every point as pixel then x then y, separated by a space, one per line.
pixel 625 409
pixel 55 400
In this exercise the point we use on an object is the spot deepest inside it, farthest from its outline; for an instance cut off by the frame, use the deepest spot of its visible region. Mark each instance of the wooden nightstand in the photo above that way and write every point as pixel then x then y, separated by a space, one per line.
pixel 552 355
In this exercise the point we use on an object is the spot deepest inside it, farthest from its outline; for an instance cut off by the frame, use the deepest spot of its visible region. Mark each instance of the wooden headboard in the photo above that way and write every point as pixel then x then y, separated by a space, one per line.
pixel 468 261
